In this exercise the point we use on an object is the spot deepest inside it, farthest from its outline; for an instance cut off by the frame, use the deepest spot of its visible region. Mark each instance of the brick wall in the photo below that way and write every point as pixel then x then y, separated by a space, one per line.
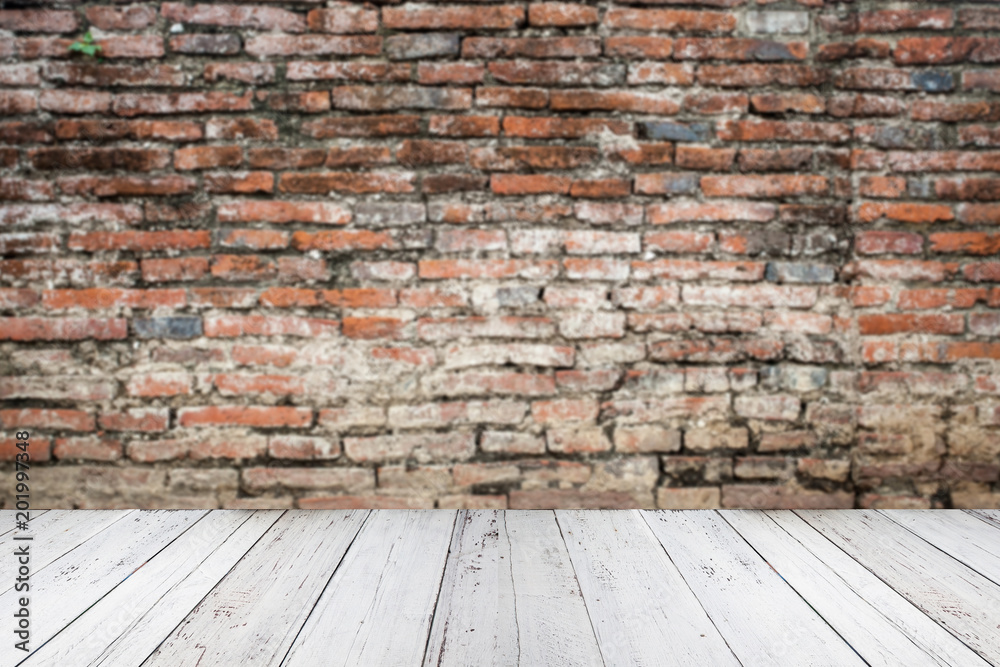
pixel 674 253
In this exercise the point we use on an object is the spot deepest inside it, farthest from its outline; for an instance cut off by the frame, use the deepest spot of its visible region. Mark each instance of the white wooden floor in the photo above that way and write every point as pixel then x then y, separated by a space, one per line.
pixel 207 588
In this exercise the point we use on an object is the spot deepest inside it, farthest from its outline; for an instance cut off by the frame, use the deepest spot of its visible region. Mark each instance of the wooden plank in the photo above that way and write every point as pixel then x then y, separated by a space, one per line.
pixel 127 624
pixel 471 624
pixel 58 532
pixel 960 535
pixel 960 599
pixel 642 611
pixel 881 625
pixel 254 613
pixel 7 520
pixel 992 517
pixel 64 590
pixel 392 571
pixel 551 619
pixel 762 619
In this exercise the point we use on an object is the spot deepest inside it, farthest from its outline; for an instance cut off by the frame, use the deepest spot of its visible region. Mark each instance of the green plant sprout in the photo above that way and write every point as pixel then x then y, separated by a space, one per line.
pixel 86 45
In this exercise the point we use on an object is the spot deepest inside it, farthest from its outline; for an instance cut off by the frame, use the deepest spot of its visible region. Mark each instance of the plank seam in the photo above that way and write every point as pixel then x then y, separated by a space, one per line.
pixel 209 592
pixel 686 582
pixel 955 558
pixel 576 578
pixel 340 562
pixel 898 592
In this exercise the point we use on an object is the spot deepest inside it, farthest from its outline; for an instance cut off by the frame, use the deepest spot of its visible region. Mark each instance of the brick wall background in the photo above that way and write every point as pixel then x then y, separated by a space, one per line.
pixel 674 253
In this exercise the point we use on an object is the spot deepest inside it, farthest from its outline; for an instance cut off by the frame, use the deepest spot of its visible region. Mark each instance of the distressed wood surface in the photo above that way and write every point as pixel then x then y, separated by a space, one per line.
pixel 130 620
pixel 880 624
pixel 59 532
pixel 439 588
pixel 473 623
pixel 284 574
pixel 7 519
pixel 550 617
pixel 642 610
pixel 761 617
pixel 962 600
pixel 83 575
pixel 393 571
pixel 991 517
pixel 957 534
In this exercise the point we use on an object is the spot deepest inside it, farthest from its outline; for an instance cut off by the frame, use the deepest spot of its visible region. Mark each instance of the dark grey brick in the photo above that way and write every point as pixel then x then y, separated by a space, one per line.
pixel 665 130
pixel 933 82
pixel 167 327
pixel 424 45
pixel 789 272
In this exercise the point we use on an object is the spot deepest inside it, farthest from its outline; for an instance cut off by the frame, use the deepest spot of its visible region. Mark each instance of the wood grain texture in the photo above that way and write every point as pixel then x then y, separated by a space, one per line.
pixel 498 588
pixel 550 616
pixel 960 599
pixel 762 619
pixel 991 517
pixel 881 625
pixel 57 532
pixel 82 576
pixel 126 625
pixel 643 612
pixel 284 573
pixel 957 534
pixel 7 519
pixel 473 624
pixel 392 571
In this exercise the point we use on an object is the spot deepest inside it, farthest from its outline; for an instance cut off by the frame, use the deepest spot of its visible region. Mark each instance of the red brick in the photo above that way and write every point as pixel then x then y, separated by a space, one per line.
pixel 613 100
pixel 716 103
pixel 365 126
pixel 970 243
pixel 668 20
pixel 322 183
pixel 499 268
pixel 169 270
pixel 46 420
pixel 561 14
pixel 455 73
pixel 264 45
pixel 252 416
pixel 134 104
pixel 133 17
pixel 900 270
pixel 638 47
pixel 904 212
pixel 753 130
pixel 945 50
pixel 671 74
pixel 881 243
pixel 39 449
pixel 704 158
pixel 68 329
pixel 877 325
pixel 104 298
pixel 344 18
pixel 151 385
pixel 455 17
pixel 145 420
pixel 87 449
pixel 561 128
pixel 738 49
pixel 234 326
pixel 524 98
